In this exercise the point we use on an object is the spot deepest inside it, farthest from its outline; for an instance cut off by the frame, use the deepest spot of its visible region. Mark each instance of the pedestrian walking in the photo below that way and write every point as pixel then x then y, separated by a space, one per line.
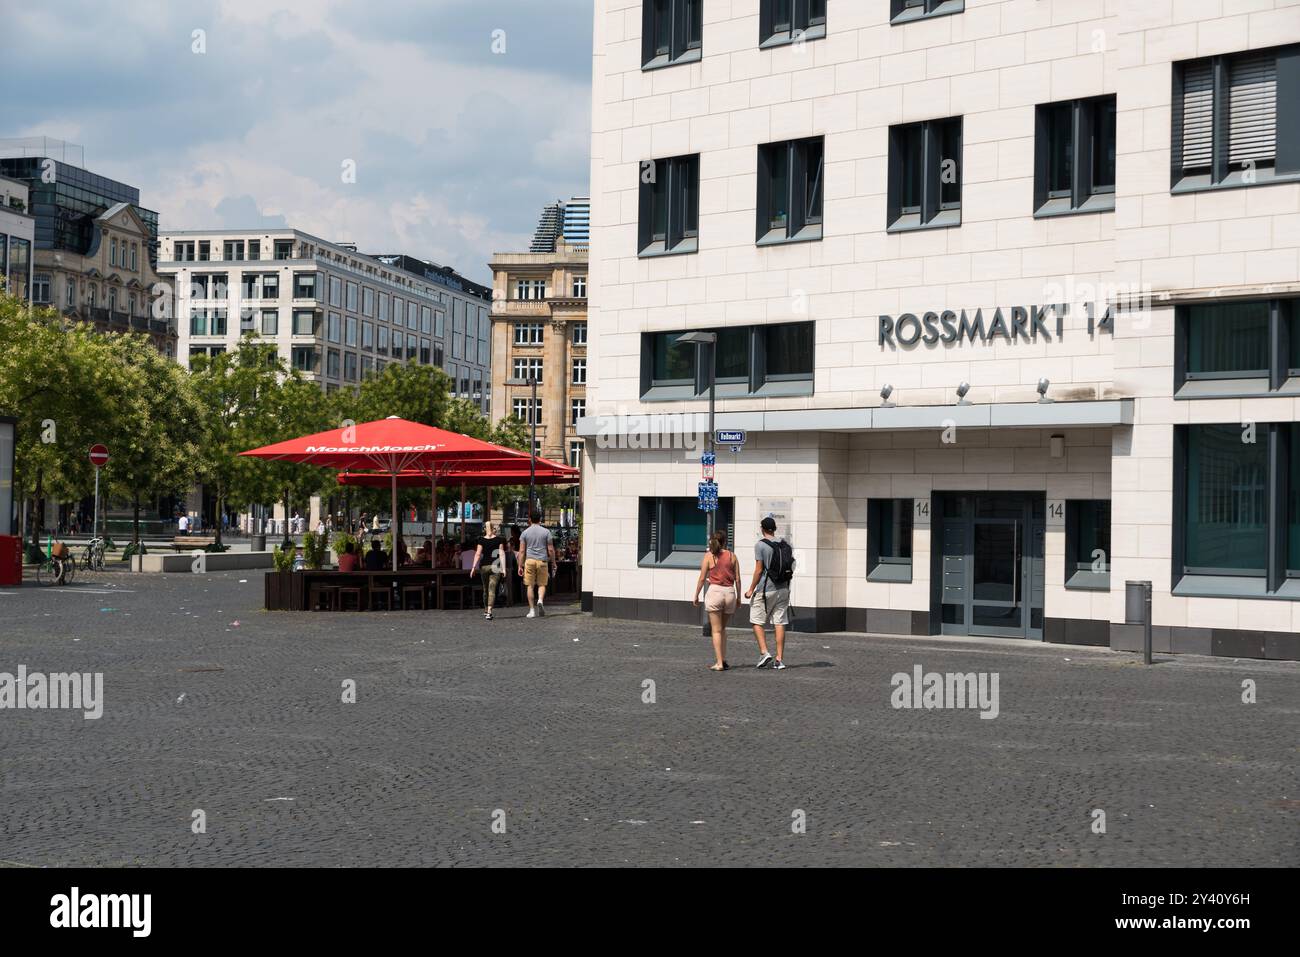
pixel 536 562
pixel 490 562
pixel 770 605
pixel 721 571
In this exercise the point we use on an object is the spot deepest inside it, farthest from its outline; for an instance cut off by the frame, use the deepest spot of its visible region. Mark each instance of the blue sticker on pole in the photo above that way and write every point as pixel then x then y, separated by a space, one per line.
pixel 708 458
pixel 708 497
pixel 729 437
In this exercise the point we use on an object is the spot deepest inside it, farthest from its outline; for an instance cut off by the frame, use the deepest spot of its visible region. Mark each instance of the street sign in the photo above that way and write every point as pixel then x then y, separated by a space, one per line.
pixel 706 473
pixel 729 437
pixel 99 456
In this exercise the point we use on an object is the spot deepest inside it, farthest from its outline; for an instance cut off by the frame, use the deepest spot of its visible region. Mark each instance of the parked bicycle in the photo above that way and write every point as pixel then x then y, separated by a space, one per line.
pixel 93 557
pixel 59 566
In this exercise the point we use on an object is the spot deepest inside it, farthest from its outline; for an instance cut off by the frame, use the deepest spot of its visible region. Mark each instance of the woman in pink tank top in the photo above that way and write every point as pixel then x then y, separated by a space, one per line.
pixel 721 571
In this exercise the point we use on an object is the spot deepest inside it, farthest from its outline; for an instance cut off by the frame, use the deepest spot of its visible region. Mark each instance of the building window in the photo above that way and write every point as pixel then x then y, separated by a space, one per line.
pixel 925 174
pixel 789 21
pixel 350 331
pixel 270 322
pixel 232 250
pixel 70 293
pixel 579 333
pixel 671 32
pixel 304 285
pixel 575 454
pixel 889 539
pixel 352 291
pixel 112 252
pixel 528 333
pixel 332 364
pixel 367 302
pixel 1225 522
pixel 205 251
pixel 41 288
pixel 904 11
pixel 579 372
pixel 669 206
pixel 519 408
pixel 1087 545
pixel 672 531
pixel 303 358
pixel 524 289
pixel 527 368
pixel 254 249
pixel 336 291
pixel 367 335
pixel 134 249
pixel 790 190
pixel 270 286
pixel 1235 347
pixel 426 320
pixel 425 352
pixel 333 327
pixel 577 409
pixel 350 366
pixel 579 287
pixel 1074 156
pixel 775 359
pixel 1236 119
pixel 383 307
pixel 184 252
pixel 304 322
pixel 382 341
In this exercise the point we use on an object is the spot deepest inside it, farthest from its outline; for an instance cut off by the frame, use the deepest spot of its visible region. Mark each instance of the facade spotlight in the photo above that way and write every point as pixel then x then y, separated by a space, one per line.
pixel 962 389
pixel 885 392
pixel 1043 385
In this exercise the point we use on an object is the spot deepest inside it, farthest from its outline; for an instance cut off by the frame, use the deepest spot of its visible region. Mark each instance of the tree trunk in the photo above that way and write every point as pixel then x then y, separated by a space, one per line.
pixel 135 522
pixel 38 507
pixel 221 507
pixel 288 519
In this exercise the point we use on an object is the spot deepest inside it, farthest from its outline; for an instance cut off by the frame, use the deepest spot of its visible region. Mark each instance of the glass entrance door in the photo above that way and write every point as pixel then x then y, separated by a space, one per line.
pixel 991 566
pixel 996 605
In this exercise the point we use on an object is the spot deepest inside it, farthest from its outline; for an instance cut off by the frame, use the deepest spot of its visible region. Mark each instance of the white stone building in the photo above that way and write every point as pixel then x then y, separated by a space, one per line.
pixel 334 313
pixel 903 219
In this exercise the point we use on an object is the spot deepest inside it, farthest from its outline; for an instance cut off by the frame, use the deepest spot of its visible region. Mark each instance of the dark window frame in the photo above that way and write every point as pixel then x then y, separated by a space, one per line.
pixel 1089 132
pixel 1218 173
pixel 1282 493
pixel 1081 575
pixel 931 210
pixel 806 20
pixel 757 381
pixel 672 32
pixel 804 216
pixel 669 206
pixel 908 11
pixel 882 513
pixel 1284 323
pixel 655 516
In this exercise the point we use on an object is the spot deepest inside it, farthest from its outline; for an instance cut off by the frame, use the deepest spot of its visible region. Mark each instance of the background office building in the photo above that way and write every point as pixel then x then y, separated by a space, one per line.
pixel 17 234
pixel 539 331
pixel 335 314
pixel 1006 294
pixel 95 245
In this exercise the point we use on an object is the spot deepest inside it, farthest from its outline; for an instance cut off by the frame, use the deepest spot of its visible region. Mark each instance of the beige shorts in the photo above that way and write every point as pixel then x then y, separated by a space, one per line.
pixel 770 609
pixel 722 600
pixel 536 572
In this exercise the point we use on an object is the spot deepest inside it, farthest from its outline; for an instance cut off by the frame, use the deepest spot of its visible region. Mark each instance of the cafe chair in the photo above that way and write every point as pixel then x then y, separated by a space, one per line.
pixel 412 597
pixel 328 595
pixel 346 592
pixel 449 587
pixel 384 595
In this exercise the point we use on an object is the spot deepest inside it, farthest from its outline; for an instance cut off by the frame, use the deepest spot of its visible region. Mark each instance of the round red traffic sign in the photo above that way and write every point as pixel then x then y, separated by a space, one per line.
pixel 99 456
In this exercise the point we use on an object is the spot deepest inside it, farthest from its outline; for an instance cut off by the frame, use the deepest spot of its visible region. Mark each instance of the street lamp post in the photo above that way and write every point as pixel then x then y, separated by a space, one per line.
pixel 704 345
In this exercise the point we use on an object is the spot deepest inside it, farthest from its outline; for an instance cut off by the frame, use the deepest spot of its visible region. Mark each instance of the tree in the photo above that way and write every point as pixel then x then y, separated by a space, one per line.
pixel 236 391
pixel 413 392
pixel 155 428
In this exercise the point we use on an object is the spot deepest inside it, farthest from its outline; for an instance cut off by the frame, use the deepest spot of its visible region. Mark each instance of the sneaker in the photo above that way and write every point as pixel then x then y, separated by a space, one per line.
pixel 764 660
pixel 778 665
pixel 531 613
pixel 487 616
pixel 541 610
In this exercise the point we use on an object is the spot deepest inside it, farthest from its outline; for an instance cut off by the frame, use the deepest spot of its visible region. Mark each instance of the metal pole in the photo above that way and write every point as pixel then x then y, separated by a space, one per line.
pixel 462 513
pixel 395 525
pixel 532 451
pixel 713 383
pixel 1146 624
pixel 94 532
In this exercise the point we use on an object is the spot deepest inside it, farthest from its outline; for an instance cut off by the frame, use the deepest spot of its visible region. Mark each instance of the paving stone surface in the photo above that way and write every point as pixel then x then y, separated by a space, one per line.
pixel 211 703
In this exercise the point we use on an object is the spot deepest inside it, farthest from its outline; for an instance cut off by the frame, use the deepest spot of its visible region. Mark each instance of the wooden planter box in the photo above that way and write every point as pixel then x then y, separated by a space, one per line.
pixel 285 591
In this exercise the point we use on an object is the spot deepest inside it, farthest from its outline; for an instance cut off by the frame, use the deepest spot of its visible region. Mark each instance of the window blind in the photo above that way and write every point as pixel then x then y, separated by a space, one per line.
pixel 1252 105
pixel 1196 122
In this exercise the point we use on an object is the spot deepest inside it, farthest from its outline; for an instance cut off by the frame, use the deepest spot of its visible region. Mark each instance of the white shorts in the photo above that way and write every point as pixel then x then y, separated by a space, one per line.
pixel 772 609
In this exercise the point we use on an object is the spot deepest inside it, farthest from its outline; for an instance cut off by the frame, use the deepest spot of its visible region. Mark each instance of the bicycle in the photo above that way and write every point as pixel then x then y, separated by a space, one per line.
pixel 58 567
pixel 93 557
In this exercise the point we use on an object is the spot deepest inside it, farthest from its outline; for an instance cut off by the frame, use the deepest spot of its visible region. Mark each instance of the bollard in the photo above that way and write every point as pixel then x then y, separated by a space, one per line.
pixel 1137 608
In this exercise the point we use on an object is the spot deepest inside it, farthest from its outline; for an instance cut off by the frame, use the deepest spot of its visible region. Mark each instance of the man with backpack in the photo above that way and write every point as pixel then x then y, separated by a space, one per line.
pixel 770 604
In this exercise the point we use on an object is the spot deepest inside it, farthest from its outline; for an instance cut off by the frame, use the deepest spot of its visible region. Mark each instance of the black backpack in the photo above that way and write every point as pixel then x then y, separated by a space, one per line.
pixel 780 569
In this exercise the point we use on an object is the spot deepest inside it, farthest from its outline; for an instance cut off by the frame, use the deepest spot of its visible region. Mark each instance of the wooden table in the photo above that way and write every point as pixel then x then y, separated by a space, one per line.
pixel 390 581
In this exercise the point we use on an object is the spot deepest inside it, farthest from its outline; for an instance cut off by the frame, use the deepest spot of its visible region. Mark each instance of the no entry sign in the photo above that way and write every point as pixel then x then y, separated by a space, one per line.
pixel 99 456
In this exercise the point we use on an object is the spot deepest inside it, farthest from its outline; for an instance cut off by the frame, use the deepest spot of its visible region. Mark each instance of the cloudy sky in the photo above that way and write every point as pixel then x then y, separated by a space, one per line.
pixel 456 147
